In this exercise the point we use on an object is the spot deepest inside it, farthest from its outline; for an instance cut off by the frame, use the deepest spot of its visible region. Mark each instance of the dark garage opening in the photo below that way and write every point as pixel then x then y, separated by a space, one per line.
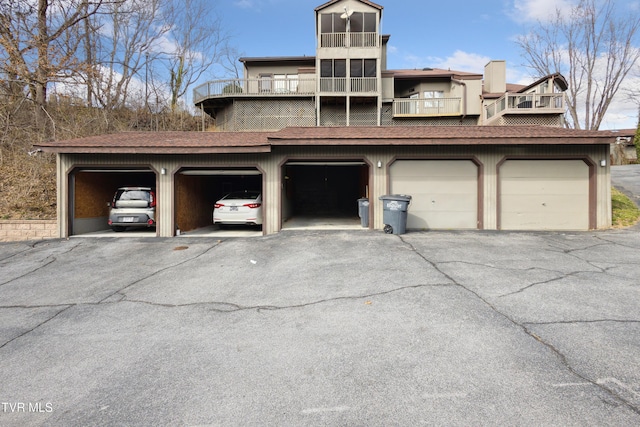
pixel 320 190
pixel 197 190
pixel 91 190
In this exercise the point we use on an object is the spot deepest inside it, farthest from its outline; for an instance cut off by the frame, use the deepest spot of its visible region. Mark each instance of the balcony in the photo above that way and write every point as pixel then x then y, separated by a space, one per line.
pixel 343 85
pixel 350 40
pixel 267 87
pixel 431 107
pixel 531 103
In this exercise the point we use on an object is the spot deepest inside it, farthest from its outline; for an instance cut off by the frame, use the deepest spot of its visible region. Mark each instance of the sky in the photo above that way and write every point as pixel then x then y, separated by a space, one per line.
pixel 461 36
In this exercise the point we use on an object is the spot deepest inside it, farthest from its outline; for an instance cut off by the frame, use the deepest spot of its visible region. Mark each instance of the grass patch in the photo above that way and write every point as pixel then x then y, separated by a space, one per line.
pixel 624 212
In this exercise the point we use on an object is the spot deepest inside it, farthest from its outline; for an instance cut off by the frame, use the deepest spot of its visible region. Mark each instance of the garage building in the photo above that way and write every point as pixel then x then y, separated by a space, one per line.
pixel 460 177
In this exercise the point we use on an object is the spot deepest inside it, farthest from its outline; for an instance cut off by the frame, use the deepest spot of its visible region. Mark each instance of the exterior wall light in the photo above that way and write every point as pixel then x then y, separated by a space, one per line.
pixel 379 164
pixel 603 162
pixel 163 171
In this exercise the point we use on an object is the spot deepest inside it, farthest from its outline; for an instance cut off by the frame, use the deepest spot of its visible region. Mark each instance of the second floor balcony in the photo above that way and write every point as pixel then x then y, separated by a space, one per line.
pixel 276 87
pixel 264 86
pixel 526 103
pixel 351 39
pixel 427 107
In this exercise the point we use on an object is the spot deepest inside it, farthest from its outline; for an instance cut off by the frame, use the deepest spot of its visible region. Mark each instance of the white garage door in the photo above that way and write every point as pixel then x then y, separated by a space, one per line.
pixel 444 192
pixel 544 195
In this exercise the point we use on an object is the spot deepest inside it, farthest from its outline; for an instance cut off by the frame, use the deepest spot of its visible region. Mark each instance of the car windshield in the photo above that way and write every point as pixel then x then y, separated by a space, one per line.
pixel 133 195
pixel 242 195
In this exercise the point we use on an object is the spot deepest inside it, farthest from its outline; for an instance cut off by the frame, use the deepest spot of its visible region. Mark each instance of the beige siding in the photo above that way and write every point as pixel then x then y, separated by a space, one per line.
pixel 487 159
pixel 444 192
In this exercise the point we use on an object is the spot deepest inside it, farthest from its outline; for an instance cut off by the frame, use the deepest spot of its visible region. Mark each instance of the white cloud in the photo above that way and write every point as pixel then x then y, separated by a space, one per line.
pixel 244 4
pixel 539 10
pixel 462 61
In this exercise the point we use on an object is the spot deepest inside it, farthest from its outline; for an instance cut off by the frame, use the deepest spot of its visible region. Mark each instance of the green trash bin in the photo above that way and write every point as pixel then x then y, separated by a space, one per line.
pixel 394 212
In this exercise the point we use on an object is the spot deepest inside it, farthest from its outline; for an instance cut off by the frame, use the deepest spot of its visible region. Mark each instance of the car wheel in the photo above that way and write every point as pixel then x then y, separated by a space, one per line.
pixel 118 228
pixel 388 229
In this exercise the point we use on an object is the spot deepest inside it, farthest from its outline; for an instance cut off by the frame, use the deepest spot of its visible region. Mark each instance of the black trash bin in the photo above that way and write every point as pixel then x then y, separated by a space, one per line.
pixel 363 212
pixel 394 213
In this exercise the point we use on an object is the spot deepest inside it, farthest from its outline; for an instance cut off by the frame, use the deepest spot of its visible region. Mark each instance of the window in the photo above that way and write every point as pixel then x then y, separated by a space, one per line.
pixel 332 23
pixel 430 95
pixel 333 73
pixel 363 22
pixel 285 83
pixel 265 82
pixel 333 68
pixel 363 68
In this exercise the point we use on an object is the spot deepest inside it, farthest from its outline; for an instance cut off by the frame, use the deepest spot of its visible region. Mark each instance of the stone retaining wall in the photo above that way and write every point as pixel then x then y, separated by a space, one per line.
pixel 16 230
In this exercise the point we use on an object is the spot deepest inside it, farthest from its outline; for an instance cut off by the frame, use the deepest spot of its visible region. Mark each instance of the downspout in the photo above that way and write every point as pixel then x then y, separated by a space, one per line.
pixel 464 95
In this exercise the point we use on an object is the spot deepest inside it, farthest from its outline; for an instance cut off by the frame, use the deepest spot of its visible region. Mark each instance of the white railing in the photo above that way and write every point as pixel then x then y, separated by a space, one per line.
pixel 350 40
pixel 351 85
pixel 527 103
pixel 427 107
pixel 255 87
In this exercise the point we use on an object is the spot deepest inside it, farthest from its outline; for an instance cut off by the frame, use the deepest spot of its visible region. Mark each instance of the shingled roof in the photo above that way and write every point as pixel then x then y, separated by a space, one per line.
pixel 260 142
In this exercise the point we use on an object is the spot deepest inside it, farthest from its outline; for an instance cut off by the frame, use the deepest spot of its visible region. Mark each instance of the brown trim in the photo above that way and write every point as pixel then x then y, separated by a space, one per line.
pixel 208 166
pixel 593 185
pixel 417 141
pixel 157 150
pixel 71 171
pixel 321 158
pixel 480 176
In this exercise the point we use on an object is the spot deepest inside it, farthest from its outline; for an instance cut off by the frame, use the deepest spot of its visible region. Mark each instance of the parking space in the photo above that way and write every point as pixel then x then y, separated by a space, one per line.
pixel 323 192
pixel 198 189
pixel 92 191
pixel 323 328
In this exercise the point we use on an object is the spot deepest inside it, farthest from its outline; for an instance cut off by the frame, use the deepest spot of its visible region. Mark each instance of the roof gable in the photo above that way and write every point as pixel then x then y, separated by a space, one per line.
pixel 332 2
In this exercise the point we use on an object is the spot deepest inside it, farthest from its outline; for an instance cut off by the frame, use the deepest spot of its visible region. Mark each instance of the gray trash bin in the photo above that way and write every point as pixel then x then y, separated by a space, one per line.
pixel 363 212
pixel 394 213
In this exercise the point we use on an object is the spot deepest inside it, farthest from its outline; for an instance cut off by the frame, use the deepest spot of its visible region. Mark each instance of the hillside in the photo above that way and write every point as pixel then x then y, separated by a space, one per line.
pixel 28 180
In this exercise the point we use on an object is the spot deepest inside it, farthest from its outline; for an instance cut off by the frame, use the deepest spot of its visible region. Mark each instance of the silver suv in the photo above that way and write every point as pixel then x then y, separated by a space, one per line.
pixel 133 207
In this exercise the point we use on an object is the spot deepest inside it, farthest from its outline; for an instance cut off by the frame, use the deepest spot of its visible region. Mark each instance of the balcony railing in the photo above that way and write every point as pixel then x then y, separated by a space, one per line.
pixel 349 85
pixel 424 107
pixel 531 103
pixel 255 87
pixel 350 40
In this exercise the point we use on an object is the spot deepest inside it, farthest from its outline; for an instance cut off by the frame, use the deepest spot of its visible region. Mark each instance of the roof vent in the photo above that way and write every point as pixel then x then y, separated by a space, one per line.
pixel 427 69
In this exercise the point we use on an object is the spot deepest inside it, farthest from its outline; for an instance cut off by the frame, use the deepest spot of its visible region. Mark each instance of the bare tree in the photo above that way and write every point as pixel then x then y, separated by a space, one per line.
pixel 196 42
pixel 595 46
pixel 124 50
pixel 39 40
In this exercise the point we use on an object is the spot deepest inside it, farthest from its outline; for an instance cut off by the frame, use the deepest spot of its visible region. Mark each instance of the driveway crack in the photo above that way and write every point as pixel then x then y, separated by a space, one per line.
pixel 49 260
pixel 38 325
pixel 561 357
pixel 121 291
pixel 227 307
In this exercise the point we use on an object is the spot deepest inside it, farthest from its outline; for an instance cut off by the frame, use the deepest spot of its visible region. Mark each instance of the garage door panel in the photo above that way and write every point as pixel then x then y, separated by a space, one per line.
pixel 462 203
pixel 523 186
pixel 440 220
pixel 552 203
pixel 444 192
pixel 436 187
pixel 433 168
pixel 544 195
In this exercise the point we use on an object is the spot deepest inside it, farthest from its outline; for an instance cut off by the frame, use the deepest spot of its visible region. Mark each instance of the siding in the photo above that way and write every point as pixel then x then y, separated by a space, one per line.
pixel 486 155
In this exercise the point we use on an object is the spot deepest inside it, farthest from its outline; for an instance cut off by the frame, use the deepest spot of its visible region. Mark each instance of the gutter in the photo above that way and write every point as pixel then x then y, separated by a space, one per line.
pixel 464 95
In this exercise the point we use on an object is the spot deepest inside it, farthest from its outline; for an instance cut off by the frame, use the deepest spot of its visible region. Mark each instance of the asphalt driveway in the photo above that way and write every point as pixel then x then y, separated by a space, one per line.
pixel 323 328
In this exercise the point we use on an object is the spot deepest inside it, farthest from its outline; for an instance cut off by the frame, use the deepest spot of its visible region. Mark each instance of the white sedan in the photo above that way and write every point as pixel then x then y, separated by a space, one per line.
pixel 239 207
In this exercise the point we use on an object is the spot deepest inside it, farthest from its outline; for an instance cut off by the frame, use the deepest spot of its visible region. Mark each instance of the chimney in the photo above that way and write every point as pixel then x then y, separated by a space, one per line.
pixel 495 76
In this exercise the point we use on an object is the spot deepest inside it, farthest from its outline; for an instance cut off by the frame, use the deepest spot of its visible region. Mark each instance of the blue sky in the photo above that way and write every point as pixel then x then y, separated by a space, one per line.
pixel 462 36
